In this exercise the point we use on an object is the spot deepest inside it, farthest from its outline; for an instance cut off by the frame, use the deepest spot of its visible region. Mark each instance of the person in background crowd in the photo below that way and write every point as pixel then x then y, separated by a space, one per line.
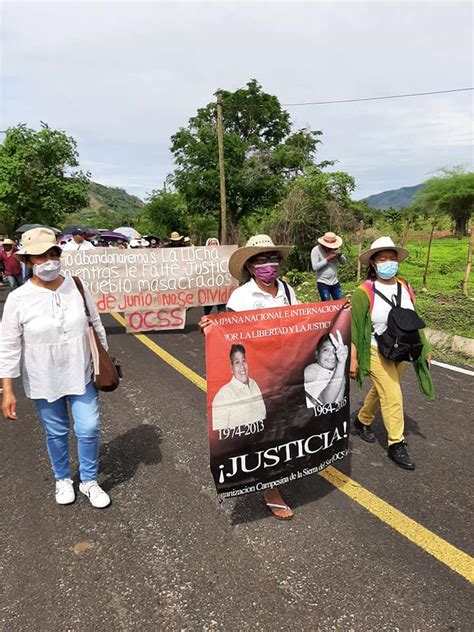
pixel 45 340
pixel 139 243
pixel 257 266
pixel 187 242
pixel 175 240
pixel 2 267
pixel 213 242
pixel 324 258
pixel 78 241
pixel 11 264
pixel 369 317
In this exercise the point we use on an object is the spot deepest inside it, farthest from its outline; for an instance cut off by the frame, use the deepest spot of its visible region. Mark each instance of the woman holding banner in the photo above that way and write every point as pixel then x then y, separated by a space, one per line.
pixel 257 266
pixel 372 303
pixel 45 339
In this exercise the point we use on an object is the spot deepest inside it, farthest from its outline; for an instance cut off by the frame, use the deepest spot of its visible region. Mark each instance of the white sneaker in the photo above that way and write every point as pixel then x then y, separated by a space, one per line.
pixel 95 494
pixel 65 492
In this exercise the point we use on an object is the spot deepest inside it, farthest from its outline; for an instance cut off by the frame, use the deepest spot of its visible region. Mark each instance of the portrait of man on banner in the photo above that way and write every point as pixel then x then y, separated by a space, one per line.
pixel 240 401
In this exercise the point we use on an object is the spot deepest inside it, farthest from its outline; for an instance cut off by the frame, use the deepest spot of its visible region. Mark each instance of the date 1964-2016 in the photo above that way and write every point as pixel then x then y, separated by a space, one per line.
pixel 240 431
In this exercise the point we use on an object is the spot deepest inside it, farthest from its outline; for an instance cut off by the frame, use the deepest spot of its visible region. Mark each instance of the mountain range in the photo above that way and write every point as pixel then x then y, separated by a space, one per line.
pixel 103 198
pixel 112 198
pixel 397 198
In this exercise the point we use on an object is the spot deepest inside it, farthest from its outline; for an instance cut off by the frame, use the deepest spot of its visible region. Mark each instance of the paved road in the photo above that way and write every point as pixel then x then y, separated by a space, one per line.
pixel 166 556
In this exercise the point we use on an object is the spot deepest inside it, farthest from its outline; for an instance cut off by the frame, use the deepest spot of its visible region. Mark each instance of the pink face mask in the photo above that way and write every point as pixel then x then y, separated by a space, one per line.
pixel 266 272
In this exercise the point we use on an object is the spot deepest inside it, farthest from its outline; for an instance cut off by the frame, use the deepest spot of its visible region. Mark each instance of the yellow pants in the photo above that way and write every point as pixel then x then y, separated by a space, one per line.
pixel 385 392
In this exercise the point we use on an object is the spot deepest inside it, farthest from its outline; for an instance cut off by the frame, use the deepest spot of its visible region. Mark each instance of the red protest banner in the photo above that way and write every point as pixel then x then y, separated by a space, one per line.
pixel 277 394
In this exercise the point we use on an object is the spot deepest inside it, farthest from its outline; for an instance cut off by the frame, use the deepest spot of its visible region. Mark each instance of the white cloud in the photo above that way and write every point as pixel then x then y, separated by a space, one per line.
pixel 122 77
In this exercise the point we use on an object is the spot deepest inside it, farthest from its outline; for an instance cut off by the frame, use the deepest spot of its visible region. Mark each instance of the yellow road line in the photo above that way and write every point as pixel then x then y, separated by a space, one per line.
pixel 446 553
pixel 190 375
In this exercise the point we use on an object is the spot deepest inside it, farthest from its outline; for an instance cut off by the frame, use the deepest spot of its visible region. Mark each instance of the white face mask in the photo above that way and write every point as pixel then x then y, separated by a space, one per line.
pixel 47 271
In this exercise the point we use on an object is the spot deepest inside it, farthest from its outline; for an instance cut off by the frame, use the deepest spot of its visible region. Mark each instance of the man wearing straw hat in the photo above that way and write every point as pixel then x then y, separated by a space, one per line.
pixel 325 258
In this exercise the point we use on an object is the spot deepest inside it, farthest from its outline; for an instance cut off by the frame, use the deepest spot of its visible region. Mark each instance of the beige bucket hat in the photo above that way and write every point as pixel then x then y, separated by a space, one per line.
pixel 37 241
pixel 383 243
pixel 330 240
pixel 255 245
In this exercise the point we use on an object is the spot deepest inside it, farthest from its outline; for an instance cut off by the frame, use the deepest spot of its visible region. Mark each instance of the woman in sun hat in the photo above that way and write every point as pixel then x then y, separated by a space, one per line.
pixel 325 258
pixel 256 265
pixel 45 340
pixel 370 309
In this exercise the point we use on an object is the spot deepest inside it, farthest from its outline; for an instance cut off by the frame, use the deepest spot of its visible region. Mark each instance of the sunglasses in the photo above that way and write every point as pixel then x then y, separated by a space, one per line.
pixel 263 259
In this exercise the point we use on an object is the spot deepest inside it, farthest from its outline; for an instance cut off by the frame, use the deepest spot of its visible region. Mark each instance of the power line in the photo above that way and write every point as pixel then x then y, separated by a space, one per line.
pixel 392 96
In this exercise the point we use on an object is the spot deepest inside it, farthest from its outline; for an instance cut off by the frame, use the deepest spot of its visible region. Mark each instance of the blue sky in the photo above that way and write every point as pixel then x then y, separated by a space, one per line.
pixel 121 77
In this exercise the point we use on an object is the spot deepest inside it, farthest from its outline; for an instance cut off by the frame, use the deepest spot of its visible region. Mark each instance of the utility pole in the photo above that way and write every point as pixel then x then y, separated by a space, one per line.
pixel 359 247
pixel 469 261
pixel 220 144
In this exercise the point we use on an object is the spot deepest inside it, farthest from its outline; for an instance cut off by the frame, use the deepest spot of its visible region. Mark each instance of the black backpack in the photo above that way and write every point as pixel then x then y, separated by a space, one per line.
pixel 401 340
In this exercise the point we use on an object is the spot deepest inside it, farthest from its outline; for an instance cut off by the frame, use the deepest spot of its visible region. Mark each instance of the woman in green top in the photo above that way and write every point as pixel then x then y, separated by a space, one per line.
pixel 369 319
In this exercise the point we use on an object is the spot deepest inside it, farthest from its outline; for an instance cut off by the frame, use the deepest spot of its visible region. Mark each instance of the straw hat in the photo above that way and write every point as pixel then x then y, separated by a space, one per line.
pixel 330 240
pixel 37 241
pixel 255 245
pixel 175 236
pixel 8 242
pixel 383 243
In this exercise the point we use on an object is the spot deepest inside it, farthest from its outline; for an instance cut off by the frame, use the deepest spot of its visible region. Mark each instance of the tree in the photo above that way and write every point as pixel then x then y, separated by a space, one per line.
pixel 38 183
pixel 164 212
pixel 394 218
pixel 315 202
pixel 261 155
pixel 451 193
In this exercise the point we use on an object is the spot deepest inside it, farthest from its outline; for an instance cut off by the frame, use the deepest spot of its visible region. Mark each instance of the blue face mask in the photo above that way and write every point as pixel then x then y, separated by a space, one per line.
pixel 387 270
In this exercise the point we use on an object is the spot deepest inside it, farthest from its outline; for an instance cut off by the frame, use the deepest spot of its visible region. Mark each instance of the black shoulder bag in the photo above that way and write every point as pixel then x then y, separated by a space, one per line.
pixel 401 340
pixel 287 291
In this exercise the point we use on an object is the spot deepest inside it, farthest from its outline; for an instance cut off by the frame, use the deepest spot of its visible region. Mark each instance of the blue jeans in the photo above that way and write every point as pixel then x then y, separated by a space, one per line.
pixel 328 291
pixel 55 419
pixel 14 281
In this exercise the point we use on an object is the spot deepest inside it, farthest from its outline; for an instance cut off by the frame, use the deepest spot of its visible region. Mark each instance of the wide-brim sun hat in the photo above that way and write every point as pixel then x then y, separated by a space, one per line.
pixel 175 236
pixel 255 246
pixel 8 242
pixel 330 240
pixel 383 243
pixel 37 241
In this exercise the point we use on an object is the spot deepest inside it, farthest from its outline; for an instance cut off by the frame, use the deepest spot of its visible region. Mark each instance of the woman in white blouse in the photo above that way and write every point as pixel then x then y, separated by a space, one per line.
pixel 45 340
